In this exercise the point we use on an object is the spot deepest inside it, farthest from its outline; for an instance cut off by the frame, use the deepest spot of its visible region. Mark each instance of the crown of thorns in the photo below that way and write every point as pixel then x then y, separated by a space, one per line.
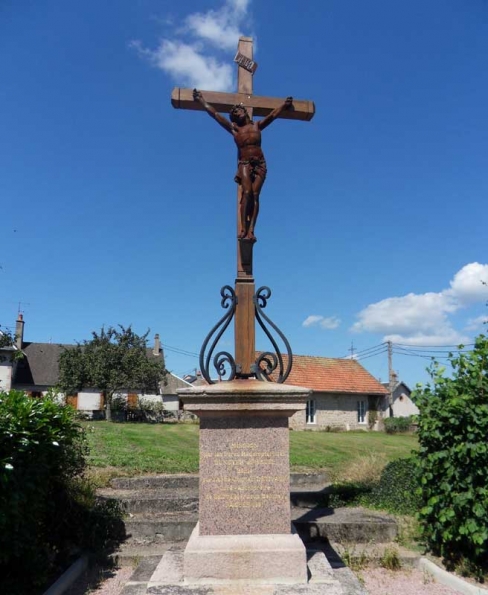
pixel 236 107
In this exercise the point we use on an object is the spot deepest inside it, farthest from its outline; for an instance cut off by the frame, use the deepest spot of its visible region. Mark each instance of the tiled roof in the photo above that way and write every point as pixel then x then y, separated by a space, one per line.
pixel 40 364
pixel 332 375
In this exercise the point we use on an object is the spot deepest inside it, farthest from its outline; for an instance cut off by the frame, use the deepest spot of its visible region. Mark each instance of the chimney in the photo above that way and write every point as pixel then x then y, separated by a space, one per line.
pixel 19 331
pixel 157 345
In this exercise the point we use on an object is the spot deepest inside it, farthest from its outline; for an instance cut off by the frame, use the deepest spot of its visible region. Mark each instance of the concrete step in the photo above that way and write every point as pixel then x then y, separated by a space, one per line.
pixel 355 525
pixel 305 481
pixel 164 575
pixel 153 500
pixel 144 499
pixel 306 497
pixel 376 554
pixel 130 554
pixel 152 482
pixel 342 525
pixel 160 527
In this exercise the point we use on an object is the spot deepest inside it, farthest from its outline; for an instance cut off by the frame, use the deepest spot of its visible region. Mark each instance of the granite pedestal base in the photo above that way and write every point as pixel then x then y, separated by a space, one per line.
pixel 245 559
pixel 244 530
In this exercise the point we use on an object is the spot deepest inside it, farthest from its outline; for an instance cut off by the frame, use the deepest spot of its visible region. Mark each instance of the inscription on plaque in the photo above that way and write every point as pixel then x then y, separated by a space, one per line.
pixel 244 482
pixel 245 62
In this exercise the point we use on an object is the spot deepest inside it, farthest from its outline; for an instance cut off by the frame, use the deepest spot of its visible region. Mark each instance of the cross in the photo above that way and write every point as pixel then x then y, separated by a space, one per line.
pixel 244 331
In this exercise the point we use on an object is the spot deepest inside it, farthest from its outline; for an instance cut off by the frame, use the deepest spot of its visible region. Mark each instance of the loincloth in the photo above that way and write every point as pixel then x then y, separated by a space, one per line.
pixel 257 168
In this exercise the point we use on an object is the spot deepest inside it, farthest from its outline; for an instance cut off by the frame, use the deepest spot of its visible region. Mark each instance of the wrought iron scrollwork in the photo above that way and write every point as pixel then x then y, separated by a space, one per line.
pixel 269 363
pixel 222 359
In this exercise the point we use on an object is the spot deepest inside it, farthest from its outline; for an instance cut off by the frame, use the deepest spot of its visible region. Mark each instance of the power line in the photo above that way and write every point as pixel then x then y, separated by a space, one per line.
pixel 421 347
pixel 361 352
pixel 371 348
pixel 384 350
pixel 179 350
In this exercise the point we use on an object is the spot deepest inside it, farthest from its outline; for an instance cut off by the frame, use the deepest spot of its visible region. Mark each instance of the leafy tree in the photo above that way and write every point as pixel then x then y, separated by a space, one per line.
pixel 113 360
pixel 6 339
pixel 453 459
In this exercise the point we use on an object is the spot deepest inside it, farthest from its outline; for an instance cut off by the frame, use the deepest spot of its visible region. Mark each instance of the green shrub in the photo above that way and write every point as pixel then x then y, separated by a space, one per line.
pixel 397 488
pixel 453 455
pixel 46 512
pixel 346 494
pixel 393 425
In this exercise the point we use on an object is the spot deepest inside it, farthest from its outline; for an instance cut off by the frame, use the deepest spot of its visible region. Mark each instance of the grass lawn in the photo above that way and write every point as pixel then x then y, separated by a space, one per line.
pixel 133 448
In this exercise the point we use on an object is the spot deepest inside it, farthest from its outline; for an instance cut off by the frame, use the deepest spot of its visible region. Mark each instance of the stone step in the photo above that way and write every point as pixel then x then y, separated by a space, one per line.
pixel 161 527
pixel 153 500
pixel 305 497
pixel 355 525
pixel 131 554
pixel 310 481
pixel 376 554
pixel 143 482
pixel 164 575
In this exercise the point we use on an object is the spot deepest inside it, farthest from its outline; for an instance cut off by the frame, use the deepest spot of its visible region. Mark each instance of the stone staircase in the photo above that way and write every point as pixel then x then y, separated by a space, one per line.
pixel 162 510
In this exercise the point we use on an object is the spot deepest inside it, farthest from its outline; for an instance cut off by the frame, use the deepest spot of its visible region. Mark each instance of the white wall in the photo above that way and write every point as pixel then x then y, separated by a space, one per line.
pixel 89 399
pixel 171 402
pixel 5 373
pixel 403 406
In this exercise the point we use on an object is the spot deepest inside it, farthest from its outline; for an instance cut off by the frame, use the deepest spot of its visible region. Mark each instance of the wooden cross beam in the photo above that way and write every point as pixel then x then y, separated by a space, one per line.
pixel 261 106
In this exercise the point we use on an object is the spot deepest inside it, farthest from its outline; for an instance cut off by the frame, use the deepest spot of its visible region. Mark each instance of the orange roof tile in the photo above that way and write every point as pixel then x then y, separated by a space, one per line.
pixel 332 375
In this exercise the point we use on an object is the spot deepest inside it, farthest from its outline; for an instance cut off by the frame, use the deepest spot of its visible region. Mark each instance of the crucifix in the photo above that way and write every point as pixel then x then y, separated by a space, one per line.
pixel 251 172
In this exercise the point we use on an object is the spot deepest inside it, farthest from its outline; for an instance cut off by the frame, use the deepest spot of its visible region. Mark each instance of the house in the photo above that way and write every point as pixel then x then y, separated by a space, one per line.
pixel 402 405
pixel 345 395
pixel 38 371
pixel 7 362
pixel 171 400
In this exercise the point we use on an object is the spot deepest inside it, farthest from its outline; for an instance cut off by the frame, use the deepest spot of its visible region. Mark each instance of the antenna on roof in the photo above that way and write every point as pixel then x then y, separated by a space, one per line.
pixel 20 310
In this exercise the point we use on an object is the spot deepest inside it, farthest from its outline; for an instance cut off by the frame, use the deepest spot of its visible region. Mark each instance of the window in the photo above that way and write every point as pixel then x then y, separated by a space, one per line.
pixel 361 412
pixel 310 411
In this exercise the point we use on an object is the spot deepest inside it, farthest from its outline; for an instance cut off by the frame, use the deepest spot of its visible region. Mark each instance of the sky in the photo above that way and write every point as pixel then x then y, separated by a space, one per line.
pixel 118 209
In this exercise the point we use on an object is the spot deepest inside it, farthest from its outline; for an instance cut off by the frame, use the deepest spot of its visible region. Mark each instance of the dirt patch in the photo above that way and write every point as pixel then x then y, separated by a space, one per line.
pixel 379 581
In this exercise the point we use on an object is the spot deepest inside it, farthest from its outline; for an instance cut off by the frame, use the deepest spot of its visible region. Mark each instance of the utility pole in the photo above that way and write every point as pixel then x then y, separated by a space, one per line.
pixel 391 376
pixel 351 349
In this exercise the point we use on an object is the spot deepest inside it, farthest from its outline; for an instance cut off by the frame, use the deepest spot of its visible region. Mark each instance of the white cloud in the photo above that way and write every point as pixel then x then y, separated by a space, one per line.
pixel 220 27
pixel 470 284
pixel 477 323
pixel 329 323
pixel 184 63
pixel 423 319
pixel 445 336
pixel 192 55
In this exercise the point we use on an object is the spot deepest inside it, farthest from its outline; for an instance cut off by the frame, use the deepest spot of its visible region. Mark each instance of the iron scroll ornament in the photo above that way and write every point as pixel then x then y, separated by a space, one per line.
pixel 267 364
pixel 271 360
pixel 228 301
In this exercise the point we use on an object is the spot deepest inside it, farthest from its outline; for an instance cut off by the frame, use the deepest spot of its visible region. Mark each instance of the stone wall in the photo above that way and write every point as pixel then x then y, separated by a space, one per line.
pixel 334 411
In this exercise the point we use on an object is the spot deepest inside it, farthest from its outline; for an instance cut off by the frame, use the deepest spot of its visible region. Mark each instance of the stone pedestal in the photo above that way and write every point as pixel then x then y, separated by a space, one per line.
pixel 244 534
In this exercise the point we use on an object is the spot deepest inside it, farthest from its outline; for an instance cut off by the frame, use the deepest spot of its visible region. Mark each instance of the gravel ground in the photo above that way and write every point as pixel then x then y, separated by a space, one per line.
pixel 379 581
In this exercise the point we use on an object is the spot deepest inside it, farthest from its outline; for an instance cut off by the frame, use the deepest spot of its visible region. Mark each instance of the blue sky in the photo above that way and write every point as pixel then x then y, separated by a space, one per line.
pixel 116 208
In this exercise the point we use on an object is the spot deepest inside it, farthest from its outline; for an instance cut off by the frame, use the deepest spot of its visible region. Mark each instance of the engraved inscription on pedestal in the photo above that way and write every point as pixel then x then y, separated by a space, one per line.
pixel 244 475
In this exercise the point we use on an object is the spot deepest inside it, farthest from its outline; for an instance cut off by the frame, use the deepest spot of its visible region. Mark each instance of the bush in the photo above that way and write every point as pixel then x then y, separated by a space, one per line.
pixel 393 425
pixel 46 512
pixel 397 488
pixel 453 458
